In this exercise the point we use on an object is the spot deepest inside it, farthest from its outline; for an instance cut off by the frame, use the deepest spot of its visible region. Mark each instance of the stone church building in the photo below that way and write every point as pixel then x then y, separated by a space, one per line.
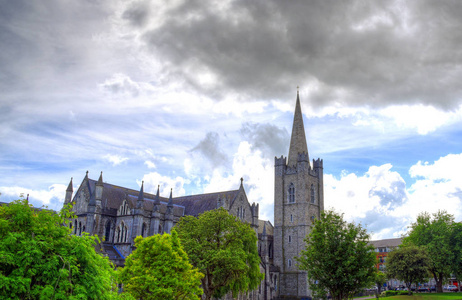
pixel 118 214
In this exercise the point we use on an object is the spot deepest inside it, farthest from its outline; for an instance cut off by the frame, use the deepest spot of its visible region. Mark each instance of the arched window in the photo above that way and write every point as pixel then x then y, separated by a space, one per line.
pixel 243 213
pixel 107 232
pixel 80 228
pixel 291 218
pixel 313 194
pixel 290 239
pixel 290 262
pixel 160 229
pixel 291 193
pixel 123 209
pixel 270 250
pixel 75 227
pixel 83 229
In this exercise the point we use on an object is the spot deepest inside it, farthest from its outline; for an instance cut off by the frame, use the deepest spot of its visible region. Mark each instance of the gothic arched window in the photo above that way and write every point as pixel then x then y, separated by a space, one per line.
pixel 290 262
pixel 313 194
pixel 123 209
pixel 291 193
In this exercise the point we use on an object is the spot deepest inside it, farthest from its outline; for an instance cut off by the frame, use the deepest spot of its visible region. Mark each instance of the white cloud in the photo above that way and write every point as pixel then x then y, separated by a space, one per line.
pixel 438 185
pixel 379 198
pixel 150 164
pixel 115 159
pixel 53 197
pixel 153 179
pixel 422 118
pixel 258 175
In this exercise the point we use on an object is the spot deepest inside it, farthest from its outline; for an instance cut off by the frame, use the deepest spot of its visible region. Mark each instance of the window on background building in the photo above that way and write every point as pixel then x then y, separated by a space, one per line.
pixel 291 193
pixel 290 262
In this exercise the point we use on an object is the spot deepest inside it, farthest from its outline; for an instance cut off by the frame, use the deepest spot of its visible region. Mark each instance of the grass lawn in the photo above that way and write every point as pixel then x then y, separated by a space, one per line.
pixel 431 296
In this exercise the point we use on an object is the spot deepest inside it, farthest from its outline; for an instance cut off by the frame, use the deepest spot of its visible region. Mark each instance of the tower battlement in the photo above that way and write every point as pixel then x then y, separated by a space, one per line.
pixel 317 163
pixel 281 161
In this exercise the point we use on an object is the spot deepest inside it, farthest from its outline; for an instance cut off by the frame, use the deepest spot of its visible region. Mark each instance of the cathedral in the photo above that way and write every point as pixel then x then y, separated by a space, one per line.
pixel 118 215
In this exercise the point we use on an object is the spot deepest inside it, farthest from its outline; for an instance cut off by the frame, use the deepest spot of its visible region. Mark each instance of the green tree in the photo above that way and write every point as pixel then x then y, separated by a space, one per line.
pixel 380 279
pixel 224 249
pixel 409 264
pixel 434 234
pixel 337 257
pixel 40 259
pixel 159 269
pixel 456 249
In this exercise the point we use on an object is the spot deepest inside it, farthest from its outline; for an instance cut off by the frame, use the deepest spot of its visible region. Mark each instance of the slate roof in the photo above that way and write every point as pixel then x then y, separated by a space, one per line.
pixel 197 204
pixel 113 197
pixel 390 243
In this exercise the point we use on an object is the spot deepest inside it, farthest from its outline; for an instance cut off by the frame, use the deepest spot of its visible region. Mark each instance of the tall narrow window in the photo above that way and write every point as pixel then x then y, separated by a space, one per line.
pixel 291 193
pixel 290 239
pixel 290 262
pixel 291 218
pixel 108 231
pixel 143 230
pixel 313 194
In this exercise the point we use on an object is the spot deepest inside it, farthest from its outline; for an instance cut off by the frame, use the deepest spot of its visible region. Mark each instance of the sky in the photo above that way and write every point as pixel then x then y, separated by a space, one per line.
pixel 193 95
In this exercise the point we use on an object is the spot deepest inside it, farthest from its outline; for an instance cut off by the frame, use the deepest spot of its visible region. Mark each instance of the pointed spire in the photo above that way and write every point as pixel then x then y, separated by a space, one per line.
pixel 100 180
pixel 141 194
pixel 70 187
pixel 170 200
pixel 298 138
pixel 157 199
pixel 242 183
pixel 86 176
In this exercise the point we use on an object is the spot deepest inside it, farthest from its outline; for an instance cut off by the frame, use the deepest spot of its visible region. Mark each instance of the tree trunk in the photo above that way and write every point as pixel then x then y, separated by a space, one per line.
pixel 439 284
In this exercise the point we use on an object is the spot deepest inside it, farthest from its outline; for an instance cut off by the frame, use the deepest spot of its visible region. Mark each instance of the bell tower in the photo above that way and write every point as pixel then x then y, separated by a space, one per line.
pixel 298 201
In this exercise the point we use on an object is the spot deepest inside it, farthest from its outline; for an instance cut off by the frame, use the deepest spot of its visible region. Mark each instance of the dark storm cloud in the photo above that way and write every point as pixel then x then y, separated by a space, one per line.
pixel 269 139
pixel 349 52
pixel 209 150
pixel 46 38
